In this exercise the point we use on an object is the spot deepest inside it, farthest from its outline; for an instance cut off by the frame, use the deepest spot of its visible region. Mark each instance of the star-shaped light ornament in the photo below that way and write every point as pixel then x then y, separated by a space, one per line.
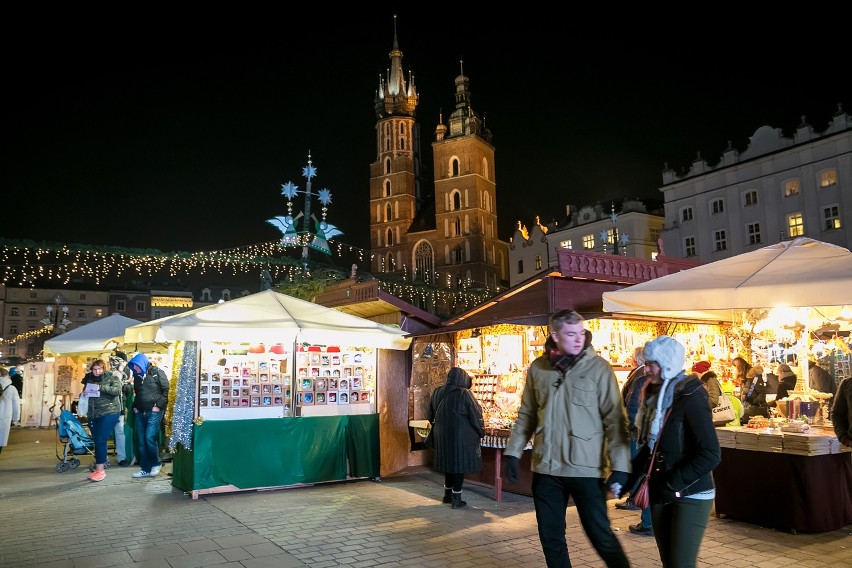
pixel 625 238
pixel 604 237
pixel 309 171
pixel 613 216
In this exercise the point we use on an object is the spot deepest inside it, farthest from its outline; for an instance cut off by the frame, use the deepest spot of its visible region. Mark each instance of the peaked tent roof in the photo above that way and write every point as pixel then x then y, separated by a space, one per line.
pixel 90 339
pixel 799 273
pixel 271 317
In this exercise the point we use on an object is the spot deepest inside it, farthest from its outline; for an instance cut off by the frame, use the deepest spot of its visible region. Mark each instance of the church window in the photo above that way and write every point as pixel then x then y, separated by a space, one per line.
pixel 387 188
pixel 424 263
pixel 457 227
pixel 390 237
pixel 454 166
pixel 388 212
pixel 387 165
pixel 456 201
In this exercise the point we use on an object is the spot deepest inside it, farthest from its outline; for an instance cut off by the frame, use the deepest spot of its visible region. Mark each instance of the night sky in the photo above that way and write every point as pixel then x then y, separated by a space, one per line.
pixel 175 131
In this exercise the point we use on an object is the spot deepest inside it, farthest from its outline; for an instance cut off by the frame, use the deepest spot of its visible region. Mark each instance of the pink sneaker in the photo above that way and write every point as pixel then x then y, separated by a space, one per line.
pixel 98 475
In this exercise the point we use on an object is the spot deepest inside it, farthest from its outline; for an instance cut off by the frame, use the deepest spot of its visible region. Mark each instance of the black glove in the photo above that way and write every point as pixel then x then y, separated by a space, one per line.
pixel 619 477
pixel 513 469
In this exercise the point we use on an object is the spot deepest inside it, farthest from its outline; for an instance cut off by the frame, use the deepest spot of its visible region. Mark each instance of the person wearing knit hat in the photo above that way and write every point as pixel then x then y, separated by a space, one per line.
pixel 786 382
pixel 754 397
pixel 676 427
pixel 701 367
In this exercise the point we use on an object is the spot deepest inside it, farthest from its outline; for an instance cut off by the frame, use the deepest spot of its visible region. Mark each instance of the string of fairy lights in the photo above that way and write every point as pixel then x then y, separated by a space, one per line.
pixel 24 263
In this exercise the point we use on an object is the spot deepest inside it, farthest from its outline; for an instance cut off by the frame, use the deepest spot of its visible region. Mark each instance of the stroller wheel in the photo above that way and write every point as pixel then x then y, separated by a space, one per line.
pixel 62 467
pixel 75 463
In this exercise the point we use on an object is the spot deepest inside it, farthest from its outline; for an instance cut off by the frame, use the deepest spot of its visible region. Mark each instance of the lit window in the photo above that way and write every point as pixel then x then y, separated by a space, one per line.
pixel 565 244
pixel 689 246
pixel 791 188
pixel 753 232
pixel 686 214
pixel 538 262
pixel 717 206
pixel 655 233
pixel 99 312
pixel 831 217
pixel 828 178
pixel 588 242
pixel 795 225
pixel 750 198
pixel 720 240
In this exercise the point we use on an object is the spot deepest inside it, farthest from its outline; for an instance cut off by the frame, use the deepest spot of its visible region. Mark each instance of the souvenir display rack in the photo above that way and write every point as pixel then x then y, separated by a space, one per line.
pixel 331 376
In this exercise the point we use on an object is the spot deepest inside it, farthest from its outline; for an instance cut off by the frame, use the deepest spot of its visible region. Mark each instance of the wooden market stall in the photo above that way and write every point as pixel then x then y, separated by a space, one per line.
pixel 271 391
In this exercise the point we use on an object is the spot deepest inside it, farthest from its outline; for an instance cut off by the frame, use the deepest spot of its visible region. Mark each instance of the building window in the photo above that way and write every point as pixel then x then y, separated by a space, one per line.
pixel 13 311
pixel 457 227
pixel 753 233
pixel 831 217
pixel 456 200
pixel 140 307
pixel 99 312
pixel 157 314
pixel 686 214
pixel 387 188
pixel 795 225
pixel 388 212
pixel 81 313
pixel 828 178
pixel 565 244
pixel 171 312
pixel 520 267
pixel 226 295
pixel 13 349
pixel 538 262
pixel 13 329
pixel 458 255
pixel 689 246
pixel 655 233
pixel 205 295
pixel 588 242
pixel 387 165
pixel 454 167
pixel 750 198
pixel 717 206
pixel 31 312
pixel 82 295
pixel 791 187
pixel 120 305
pixel 720 240
pixel 389 238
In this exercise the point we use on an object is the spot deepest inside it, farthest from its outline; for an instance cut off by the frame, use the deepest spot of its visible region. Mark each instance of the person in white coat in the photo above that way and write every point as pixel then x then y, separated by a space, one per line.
pixel 10 408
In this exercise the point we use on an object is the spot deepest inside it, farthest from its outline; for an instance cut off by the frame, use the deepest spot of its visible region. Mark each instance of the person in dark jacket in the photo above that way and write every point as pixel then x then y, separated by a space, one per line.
pixel 821 380
pixel 786 383
pixel 755 394
pixel 456 418
pixel 841 413
pixel 104 391
pixel 18 380
pixel 151 388
pixel 675 418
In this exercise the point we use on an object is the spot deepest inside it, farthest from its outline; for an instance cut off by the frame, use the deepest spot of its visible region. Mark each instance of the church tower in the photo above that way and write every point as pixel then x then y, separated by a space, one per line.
pixel 446 237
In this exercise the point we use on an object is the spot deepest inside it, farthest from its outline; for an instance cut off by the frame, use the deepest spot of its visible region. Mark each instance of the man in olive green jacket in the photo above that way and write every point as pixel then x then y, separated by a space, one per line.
pixel 572 409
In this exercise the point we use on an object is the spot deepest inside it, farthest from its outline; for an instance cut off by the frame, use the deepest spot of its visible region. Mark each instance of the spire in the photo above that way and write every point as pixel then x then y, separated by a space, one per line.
pixel 464 120
pixel 395 96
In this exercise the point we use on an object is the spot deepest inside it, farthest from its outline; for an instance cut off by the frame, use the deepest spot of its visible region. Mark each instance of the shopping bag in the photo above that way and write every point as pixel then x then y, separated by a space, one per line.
pixel 640 497
pixel 83 405
pixel 724 411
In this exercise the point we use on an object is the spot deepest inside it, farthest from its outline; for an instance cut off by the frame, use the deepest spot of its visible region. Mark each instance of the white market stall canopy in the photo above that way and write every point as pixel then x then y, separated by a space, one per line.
pixel 92 339
pixel 269 317
pixel 799 273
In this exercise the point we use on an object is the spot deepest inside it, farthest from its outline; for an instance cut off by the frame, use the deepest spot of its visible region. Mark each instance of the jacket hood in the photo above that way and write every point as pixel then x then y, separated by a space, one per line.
pixel 459 377
pixel 141 361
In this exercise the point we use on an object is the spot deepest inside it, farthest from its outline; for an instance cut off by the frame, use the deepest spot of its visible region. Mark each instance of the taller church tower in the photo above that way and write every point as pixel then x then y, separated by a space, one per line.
pixel 447 238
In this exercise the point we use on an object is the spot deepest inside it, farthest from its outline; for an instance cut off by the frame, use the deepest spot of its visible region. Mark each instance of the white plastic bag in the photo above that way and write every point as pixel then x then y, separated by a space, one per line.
pixel 83 406
pixel 724 411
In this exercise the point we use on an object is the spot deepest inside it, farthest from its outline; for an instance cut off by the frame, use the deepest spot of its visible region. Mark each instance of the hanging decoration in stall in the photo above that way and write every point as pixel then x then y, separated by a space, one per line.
pixel 182 396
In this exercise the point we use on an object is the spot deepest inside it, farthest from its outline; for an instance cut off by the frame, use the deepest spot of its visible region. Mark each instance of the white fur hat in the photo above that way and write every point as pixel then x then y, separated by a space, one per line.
pixel 668 353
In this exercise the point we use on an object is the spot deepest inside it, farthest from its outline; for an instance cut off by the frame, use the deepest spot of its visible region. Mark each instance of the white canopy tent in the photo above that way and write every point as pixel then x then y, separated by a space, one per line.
pixel 93 339
pixel 271 317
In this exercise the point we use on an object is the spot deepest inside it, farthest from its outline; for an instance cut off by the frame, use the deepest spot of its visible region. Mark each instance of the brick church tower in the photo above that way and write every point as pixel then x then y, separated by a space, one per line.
pixel 442 231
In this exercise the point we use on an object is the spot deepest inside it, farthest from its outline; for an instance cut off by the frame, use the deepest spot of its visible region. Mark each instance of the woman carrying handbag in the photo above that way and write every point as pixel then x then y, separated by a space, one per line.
pixel 677 434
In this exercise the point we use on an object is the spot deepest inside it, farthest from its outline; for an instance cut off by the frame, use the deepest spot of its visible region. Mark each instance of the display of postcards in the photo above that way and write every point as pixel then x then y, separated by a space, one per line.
pixel 303 371
pixel 274 377
pixel 235 392
pixel 215 389
pixel 326 372
pixel 266 389
pixel 319 385
pixel 347 371
pixel 255 401
pixel 255 389
pixel 226 403
pixel 365 396
pixel 264 377
pixel 267 401
pixel 203 389
pixel 306 384
pixel 217 377
pixel 205 376
pixel 215 402
pixel 306 398
pixel 315 359
pixel 226 383
pixel 335 359
pixel 277 401
pixel 246 372
pixel 235 370
pixel 359 371
pixel 245 391
pixel 320 398
pixel 302 359
pixel 331 396
pixel 262 366
pixel 325 360
pixel 335 373
pixel 315 372
pixel 357 357
pixel 226 371
pixel 332 384
pixel 343 398
pixel 287 395
pixel 286 410
pixel 346 358
pixel 276 389
pixel 202 402
pixel 344 384
pixel 244 402
pixel 274 366
pixel 356 383
pixel 354 397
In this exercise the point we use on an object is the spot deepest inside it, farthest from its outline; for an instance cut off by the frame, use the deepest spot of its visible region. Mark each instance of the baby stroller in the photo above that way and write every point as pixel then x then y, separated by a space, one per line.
pixel 71 432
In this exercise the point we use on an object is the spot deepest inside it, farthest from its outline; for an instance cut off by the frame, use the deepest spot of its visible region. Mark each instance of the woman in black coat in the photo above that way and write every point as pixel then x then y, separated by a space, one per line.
pixel 458 428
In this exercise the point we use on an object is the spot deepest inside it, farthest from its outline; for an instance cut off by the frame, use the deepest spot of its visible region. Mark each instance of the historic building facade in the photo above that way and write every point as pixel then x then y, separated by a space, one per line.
pixel 440 231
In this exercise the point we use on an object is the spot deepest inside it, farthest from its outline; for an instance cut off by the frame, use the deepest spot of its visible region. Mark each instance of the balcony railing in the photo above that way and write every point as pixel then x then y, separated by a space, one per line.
pixel 610 267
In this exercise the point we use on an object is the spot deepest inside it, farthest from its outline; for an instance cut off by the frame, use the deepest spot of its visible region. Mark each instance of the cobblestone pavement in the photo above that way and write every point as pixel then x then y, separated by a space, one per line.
pixel 52 519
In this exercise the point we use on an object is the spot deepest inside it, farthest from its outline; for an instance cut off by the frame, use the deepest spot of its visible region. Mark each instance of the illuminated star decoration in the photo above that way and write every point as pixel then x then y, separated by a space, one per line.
pixel 309 171
pixel 625 238
pixel 604 236
pixel 613 217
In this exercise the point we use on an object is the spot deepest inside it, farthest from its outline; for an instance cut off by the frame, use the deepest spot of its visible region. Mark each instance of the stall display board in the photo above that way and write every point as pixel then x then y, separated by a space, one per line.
pixel 333 380
pixel 242 380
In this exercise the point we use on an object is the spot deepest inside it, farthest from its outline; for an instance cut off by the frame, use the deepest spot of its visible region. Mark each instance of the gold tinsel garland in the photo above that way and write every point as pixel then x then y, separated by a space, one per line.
pixel 173 385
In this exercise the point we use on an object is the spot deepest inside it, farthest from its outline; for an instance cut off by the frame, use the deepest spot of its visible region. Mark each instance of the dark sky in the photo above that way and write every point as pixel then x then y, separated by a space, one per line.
pixel 175 131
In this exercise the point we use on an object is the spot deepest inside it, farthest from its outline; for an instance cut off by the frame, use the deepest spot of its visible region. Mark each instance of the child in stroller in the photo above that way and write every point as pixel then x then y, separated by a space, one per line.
pixel 71 432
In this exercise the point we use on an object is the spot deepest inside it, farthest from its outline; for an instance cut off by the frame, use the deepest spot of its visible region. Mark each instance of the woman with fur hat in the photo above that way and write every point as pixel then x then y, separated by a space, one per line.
pixel 675 418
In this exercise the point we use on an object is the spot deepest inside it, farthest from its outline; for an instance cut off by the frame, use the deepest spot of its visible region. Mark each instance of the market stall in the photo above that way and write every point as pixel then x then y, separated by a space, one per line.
pixel 774 296
pixel 271 391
